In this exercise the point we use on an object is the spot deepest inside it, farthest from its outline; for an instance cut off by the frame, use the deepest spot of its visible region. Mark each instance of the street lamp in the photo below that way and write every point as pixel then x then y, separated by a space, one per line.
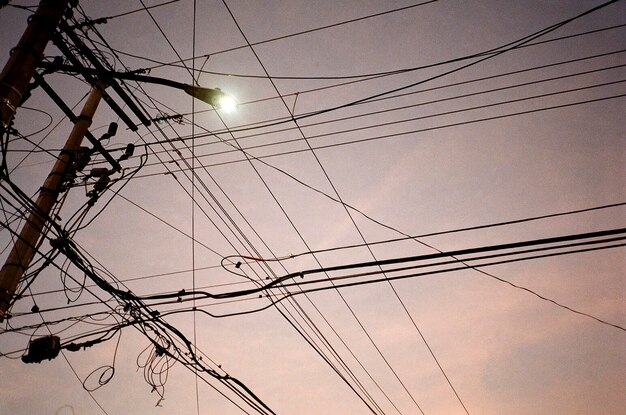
pixel 212 96
pixel 215 97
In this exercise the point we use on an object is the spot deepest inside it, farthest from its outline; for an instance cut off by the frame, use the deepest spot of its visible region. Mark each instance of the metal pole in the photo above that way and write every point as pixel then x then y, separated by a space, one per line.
pixel 22 253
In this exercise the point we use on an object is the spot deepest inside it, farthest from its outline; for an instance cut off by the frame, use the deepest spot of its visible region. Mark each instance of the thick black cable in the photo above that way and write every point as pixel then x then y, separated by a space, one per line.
pixel 613 235
pixel 381 242
pixel 69 248
pixel 400 260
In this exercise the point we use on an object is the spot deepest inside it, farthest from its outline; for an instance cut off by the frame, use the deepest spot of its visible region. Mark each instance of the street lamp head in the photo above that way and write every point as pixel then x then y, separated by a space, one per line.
pixel 212 96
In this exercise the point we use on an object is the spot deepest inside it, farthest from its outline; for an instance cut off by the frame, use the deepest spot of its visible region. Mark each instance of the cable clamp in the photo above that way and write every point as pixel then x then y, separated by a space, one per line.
pixel 83 117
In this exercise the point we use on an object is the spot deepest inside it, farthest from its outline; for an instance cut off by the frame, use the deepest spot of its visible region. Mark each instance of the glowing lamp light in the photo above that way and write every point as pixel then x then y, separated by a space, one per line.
pixel 227 103
pixel 212 96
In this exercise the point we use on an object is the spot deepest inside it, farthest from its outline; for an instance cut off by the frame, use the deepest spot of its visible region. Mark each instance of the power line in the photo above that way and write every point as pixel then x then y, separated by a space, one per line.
pixel 355 225
pixel 620 236
pixel 466 267
pixel 235 129
pixel 358 77
pixel 431 65
pixel 416 118
pixel 325 27
pixel 521 251
pixel 105 19
pixel 386 241
pixel 483 56
pixel 70 249
pixel 498 51
pixel 414 131
pixel 276 299
pixel 317 89
pixel 192 170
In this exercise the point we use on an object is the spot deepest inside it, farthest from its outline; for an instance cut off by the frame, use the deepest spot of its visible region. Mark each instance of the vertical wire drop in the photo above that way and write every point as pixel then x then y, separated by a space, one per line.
pixel 193 227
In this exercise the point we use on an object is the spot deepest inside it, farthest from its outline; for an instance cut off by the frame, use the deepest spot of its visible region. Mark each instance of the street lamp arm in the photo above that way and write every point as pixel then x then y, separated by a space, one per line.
pixel 212 96
pixel 130 76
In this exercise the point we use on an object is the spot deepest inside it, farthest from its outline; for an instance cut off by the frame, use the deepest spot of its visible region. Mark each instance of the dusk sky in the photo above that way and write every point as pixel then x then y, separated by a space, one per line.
pixel 366 132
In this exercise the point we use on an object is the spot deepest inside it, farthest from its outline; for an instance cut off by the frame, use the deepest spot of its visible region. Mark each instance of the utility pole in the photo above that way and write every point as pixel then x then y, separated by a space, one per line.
pixel 26 56
pixel 14 80
pixel 22 253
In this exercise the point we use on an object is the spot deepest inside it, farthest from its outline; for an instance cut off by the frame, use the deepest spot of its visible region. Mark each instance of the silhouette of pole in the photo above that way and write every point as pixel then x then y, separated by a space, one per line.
pixel 26 56
pixel 24 248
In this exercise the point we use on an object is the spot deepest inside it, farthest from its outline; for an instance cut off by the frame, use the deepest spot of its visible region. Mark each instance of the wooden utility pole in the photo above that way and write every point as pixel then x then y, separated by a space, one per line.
pixel 22 253
pixel 25 57
pixel 14 80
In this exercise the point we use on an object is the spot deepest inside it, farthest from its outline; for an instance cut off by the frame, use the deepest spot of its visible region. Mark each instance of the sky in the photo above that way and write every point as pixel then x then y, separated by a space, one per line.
pixel 366 131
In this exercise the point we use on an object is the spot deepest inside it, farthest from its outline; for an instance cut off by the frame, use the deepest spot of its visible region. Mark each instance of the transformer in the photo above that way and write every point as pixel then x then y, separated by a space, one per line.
pixel 47 347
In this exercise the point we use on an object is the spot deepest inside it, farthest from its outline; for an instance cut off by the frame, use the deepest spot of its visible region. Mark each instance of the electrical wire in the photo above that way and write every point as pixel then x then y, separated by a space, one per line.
pixel 238 387
pixel 183 64
pixel 521 251
pixel 193 204
pixel 358 77
pixel 394 135
pixel 417 104
pixel 311 149
pixel 317 89
pixel 336 192
pixel 105 19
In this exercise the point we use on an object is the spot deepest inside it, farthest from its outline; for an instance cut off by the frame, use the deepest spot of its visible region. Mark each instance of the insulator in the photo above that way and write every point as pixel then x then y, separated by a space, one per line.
pixel 130 150
pixel 112 129
pixel 99 172
pixel 101 184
